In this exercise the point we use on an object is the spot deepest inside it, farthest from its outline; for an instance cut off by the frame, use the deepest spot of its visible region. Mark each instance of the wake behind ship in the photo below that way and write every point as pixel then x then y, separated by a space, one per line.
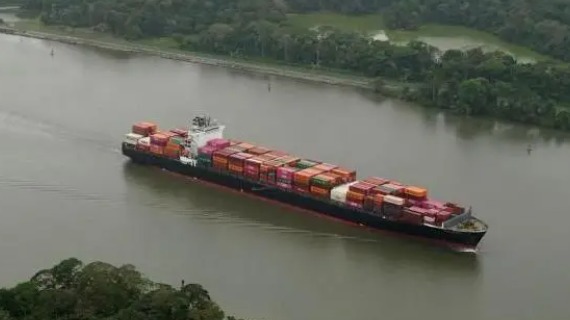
pixel 201 152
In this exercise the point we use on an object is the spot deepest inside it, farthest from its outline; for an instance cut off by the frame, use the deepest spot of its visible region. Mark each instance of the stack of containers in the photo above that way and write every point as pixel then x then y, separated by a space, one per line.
pixel 144 128
pixel 373 201
pixel 413 215
pixel 220 157
pixel 237 161
pixel 268 170
pixel 157 143
pixel 339 193
pixel 302 179
pixel 205 154
pixel 357 192
pixel 244 146
pixel 251 167
pixel 322 184
pixel 143 144
pixel 345 174
pixel 173 150
pixel 393 205
pixel 285 176
pixel 390 189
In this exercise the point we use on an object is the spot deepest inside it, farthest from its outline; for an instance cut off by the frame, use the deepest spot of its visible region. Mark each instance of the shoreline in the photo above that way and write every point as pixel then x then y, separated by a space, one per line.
pixel 258 68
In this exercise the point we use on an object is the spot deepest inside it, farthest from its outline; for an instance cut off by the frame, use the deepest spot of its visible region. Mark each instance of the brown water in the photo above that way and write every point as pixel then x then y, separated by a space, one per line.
pixel 66 190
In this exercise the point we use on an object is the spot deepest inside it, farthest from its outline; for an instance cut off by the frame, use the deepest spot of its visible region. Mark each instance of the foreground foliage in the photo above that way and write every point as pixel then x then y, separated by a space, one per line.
pixel 73 291
pixel 472 83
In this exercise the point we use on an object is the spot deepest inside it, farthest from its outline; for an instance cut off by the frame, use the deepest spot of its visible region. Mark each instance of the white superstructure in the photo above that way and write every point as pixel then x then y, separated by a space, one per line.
pixel 202 130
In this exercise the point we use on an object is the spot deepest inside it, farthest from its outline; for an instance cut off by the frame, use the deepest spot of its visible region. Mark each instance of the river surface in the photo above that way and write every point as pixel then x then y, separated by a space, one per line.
pixel 66 190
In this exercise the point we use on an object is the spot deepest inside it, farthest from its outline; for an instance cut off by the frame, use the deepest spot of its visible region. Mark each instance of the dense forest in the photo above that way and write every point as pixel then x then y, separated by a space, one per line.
pixel 472 83
pixel 73 291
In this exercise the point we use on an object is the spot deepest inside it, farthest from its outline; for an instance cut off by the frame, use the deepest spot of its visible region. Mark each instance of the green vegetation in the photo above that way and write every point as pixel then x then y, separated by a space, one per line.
pixel 471 82
pixel 73 291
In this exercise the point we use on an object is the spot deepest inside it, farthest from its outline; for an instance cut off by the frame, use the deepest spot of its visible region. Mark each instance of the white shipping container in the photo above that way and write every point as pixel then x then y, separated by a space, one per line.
pixel 144 141
pixel 394 200
pixel 132 138
pixel 339 193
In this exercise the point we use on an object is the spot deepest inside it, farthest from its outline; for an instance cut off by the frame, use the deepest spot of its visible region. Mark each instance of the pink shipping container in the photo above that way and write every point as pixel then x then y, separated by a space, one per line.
pixel 284 185
pixel 207 150
pixel 219 143
pixel 286 173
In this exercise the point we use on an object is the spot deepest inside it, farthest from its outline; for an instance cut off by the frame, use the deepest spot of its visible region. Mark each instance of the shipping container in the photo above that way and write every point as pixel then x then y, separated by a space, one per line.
pixel 132 138
pixel 172 151
pixel 258 150
pixel 156 149
pixel 244 146
pixel 220 164
pixel 144 128
pixel 345 174
pixel 219 143
pixel 321 192
pixel 286 173
pixel 289 160
pixel 180 132
pixel 159 139
pixel 376 181
pixel 209 150
pixel 339 193
pixel 277 154
pixel 235 168
pixel 389 189
pixel 223 154
pixel 178 140
pixel 303 177
pixel 416 192
pixel 443 216
pixel 355 196
pixel 373 202
pixel 325 167
pixel 304 164
pixel 362 187
pixel 394 200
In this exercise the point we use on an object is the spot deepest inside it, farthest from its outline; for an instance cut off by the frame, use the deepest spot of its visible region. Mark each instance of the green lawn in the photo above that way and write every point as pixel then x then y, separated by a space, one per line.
pixel 441 36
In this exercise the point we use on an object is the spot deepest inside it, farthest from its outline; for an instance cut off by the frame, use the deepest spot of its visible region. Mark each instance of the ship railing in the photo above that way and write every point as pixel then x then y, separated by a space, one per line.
pixel 459 219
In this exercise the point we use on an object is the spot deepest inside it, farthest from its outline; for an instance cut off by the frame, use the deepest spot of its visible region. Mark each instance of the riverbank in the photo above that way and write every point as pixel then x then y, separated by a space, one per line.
pixel 297 73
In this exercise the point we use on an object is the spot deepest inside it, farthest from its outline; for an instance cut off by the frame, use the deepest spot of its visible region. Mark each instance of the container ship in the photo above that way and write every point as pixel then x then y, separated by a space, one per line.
pixel 201 152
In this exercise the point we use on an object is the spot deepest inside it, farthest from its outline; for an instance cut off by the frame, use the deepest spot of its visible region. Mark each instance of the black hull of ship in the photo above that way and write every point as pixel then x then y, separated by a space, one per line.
pixel 463 239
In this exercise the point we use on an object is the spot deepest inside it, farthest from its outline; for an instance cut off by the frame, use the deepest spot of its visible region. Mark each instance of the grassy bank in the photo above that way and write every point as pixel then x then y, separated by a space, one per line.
pixel 442 36
pixel 168 48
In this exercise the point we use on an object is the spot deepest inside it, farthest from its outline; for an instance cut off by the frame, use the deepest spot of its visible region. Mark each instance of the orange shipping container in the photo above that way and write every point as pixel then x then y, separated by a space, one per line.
pixel 144 128
pixel 416 192
pixel 234 168
pixel 221 165
pixel 346 175
pixel 304 176
pixel 245 146
pixel 172 151
pixel 321 192
pixel 355 196
pixel 258 151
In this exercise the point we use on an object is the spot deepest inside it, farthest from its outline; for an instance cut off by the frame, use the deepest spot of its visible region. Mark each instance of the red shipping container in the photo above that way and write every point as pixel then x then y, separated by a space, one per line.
pixel 159 139
pixel 346 175
pixel 361 187
pixel 144 128
pixel 376 181
pixel 286 173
